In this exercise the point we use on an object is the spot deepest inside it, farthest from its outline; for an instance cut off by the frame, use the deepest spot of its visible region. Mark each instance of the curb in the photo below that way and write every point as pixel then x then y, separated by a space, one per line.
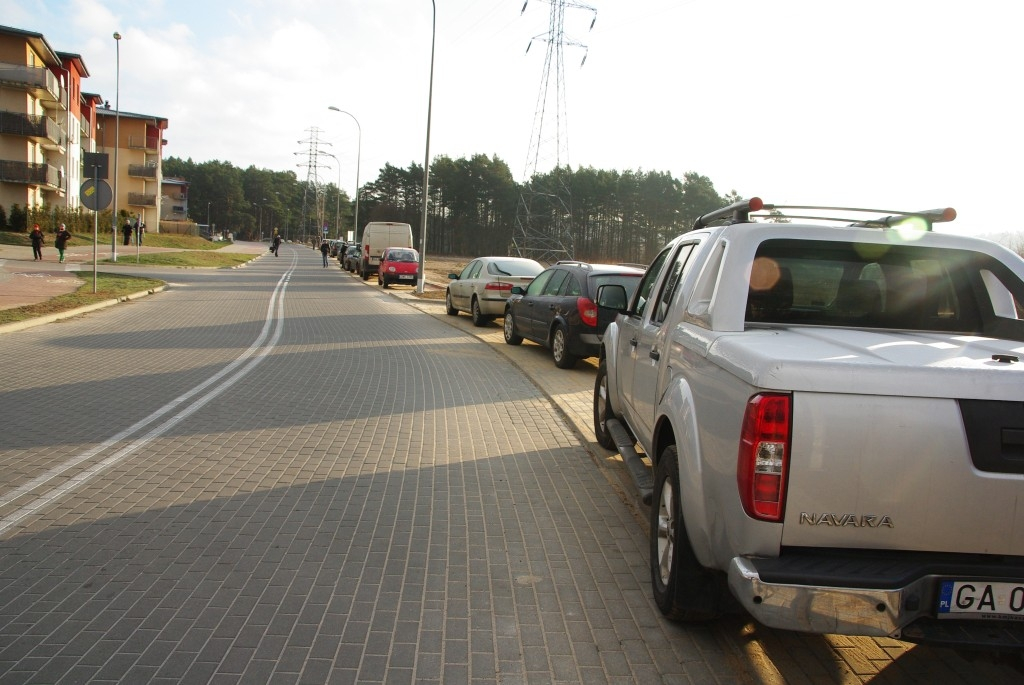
pixel 50 318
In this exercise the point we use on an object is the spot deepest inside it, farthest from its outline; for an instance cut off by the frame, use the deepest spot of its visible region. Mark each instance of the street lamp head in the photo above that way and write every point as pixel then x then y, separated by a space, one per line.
pixel 333 107
pixel 117 36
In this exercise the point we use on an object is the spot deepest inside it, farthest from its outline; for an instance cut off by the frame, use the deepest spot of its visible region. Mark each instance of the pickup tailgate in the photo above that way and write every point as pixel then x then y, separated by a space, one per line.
pixel 899 441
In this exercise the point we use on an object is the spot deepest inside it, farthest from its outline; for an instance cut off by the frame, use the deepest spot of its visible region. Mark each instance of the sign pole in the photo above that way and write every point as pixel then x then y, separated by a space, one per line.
pixel 95 232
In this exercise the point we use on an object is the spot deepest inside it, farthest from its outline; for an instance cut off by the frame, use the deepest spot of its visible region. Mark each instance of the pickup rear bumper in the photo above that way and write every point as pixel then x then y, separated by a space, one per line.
pixel 883 598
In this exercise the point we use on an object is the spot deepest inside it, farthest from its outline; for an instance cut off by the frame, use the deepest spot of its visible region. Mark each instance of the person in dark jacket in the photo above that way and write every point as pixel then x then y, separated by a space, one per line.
pixel 277 243
pixel 325 248
pixel 127 230
pixel 38 240
pixel 61 241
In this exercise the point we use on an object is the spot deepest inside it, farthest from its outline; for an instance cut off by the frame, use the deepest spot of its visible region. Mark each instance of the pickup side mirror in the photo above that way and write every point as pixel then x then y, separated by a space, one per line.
pixel 612 296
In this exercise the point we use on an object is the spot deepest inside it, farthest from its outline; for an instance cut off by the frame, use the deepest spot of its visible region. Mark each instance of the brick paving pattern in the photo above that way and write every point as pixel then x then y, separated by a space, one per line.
pixel 373 496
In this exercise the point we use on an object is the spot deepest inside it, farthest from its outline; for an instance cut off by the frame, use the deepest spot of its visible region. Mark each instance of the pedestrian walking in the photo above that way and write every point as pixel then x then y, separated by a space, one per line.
pixel 277 244
pixel 127 230
pixel 61 241
pixel 38 240
pixel 324 249
pixel 140 230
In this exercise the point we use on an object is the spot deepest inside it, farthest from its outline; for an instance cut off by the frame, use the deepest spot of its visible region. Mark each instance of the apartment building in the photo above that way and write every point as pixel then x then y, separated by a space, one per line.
pixel 42 126
pixel 47 124
pixel 138 139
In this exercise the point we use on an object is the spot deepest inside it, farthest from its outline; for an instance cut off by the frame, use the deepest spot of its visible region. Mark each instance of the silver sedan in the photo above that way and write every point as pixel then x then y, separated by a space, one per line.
pixel 484 285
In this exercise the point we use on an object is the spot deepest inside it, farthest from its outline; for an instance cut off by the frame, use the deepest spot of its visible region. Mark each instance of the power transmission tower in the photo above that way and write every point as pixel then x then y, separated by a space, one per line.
pixel 314 194
pixel 544 213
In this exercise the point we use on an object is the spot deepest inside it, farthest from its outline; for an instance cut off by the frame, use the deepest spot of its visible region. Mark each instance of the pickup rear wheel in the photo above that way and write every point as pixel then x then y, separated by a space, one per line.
pixel 560 348
pixel 683 589
pixel 602 407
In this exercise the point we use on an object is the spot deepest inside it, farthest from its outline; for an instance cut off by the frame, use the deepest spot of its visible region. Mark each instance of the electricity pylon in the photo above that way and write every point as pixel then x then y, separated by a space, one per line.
pixel 544 213
pixel 313 207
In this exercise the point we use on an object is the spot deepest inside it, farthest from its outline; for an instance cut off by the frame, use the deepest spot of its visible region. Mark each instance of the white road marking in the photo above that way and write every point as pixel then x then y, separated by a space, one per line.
pixel 272 318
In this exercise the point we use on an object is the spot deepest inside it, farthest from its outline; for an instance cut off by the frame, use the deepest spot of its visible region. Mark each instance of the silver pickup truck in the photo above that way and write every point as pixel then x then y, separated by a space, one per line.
pixel 832 415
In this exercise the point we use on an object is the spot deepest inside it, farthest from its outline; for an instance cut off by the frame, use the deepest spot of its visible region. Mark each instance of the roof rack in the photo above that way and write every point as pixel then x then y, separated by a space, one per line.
pixel 743 212
pixel 739 212
pixel 888 218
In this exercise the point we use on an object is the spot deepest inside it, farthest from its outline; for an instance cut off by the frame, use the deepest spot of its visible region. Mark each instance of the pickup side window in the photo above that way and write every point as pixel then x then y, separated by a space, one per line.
pixel 646 288
pixel 671 285
pixel 876 286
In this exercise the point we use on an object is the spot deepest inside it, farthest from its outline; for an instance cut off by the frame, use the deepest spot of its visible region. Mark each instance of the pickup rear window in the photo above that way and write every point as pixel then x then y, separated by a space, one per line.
pixel 884 286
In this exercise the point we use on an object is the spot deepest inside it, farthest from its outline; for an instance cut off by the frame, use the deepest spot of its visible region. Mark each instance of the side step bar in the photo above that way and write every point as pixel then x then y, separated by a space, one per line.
pixel 638 470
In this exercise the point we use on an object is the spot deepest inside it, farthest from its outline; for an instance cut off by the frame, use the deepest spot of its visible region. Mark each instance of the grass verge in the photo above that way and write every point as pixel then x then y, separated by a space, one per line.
pixel 108 287
pixel 186 258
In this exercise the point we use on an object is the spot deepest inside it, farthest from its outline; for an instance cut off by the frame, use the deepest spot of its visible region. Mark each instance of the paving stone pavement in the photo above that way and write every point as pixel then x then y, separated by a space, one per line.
pixel 282 474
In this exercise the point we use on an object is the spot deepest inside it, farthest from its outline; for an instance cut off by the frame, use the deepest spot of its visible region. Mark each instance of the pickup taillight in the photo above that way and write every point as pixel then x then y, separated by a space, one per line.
pixel 587 310
pixel 763 464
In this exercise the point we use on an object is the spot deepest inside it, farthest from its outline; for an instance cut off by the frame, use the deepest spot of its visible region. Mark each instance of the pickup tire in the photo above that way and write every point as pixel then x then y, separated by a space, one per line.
pixel 511 337
pixel 449 308
pixel 683 589
pixel 602 407
pixel 560 348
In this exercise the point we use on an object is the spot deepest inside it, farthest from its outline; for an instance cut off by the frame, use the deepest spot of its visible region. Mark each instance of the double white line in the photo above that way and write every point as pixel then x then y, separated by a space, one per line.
pixel 187 404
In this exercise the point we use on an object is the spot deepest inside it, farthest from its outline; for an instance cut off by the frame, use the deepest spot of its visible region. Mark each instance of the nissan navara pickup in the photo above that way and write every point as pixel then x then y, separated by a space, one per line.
pixel 826 415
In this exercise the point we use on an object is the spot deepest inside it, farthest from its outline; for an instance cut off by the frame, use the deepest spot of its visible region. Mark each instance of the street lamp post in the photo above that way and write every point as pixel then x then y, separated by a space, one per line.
pixel 208 228
pixel 359 156
pixel 426 156
pixel 337 203
pixel 117 142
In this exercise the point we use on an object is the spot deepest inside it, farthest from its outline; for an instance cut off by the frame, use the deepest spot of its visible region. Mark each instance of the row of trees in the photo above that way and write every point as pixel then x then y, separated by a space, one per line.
pixel 475 205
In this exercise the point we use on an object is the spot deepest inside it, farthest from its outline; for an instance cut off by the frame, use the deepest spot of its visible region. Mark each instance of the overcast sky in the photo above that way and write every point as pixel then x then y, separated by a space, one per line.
pixel 896 104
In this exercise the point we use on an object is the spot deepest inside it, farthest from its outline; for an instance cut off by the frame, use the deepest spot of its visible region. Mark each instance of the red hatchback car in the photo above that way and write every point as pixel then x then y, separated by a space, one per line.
pixel 398 265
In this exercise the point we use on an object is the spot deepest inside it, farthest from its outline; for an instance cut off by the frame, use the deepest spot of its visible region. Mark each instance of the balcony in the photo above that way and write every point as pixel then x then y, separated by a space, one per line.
pixel 141 200
pixel 41 129
pixel 142 170
pixel 151 143
pixel 39 81
pixel 29 174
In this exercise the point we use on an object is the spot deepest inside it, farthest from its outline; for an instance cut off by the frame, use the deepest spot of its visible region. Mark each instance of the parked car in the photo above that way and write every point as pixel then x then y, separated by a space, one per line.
pixel 350 261
pixel 377 236
pixel 398 265
pixel 484 285
pixel 559 309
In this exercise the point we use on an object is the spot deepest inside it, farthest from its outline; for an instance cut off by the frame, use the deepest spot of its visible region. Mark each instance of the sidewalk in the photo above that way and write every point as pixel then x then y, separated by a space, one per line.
pixel 25 281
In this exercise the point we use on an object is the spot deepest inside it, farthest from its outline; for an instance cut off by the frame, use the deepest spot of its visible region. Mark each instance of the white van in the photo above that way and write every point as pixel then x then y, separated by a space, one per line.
pixel 378 235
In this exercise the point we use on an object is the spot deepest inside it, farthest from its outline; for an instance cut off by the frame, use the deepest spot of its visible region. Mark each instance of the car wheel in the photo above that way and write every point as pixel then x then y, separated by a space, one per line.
pixel 559 348
pixel 449 308
pixel 366 275
pixel 602 407
pixel 683 589
pixel 478 316
pixel 511 337
pixel 381 281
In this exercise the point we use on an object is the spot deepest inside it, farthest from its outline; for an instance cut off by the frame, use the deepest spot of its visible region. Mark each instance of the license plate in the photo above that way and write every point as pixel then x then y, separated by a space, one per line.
pixel 405 277
pixel 976 599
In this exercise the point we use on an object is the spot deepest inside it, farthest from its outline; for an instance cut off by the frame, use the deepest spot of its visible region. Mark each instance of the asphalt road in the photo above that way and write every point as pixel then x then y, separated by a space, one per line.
pixel 284 474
